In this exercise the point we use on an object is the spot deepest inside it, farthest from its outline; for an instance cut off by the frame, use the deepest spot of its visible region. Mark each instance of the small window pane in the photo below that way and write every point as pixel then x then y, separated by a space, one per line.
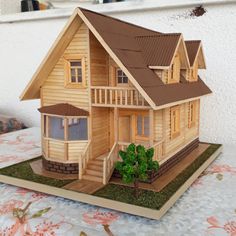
pixel 79 79
pixel 75 63
pixel 78 130
pixel 139 125
pixel 79 71
pixel 73 79
pixel 72 71
pixel 125 80
pixel 56 128
pixel 146 126
pixel 119 72
pixel 119 80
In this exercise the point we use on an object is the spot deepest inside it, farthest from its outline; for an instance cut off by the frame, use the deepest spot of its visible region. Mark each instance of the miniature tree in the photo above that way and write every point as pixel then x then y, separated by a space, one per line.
pixel 135 164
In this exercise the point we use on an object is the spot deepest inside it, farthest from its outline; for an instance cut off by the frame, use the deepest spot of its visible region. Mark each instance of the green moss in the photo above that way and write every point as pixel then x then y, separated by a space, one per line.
pixel 23 171
pixel 150 199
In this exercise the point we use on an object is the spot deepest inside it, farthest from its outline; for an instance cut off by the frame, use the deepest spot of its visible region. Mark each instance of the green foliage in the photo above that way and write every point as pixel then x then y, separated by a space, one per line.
pixel 136 162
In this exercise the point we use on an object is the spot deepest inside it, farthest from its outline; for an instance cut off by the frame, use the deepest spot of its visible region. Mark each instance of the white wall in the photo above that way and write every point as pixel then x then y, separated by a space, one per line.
pixel 24 44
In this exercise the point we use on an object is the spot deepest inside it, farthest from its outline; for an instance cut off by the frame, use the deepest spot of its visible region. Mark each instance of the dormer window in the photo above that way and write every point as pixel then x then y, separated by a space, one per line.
pixel 74 72
pixel 174 71
pixel 122 79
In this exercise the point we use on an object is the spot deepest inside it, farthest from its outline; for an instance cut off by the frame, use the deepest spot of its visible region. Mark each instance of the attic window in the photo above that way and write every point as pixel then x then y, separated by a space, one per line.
pixel 74 72
pixel 121 77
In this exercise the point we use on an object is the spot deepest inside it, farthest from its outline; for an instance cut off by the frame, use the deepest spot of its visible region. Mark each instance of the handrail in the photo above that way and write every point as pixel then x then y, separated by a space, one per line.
pixel 108 163
pixel 158 150
pixel 83 159
pixel 113 88
pixel 117 96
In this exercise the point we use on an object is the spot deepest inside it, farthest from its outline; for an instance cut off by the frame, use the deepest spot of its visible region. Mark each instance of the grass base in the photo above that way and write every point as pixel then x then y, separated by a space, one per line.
pixel 148 198
pixel 24 171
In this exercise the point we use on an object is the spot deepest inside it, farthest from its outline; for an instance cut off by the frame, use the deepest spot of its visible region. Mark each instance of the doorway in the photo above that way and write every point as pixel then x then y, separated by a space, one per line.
pixel 125 129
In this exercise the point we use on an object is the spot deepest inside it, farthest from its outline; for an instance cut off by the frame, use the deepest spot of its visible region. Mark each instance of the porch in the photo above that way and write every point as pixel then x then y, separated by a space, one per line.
pixel 126 126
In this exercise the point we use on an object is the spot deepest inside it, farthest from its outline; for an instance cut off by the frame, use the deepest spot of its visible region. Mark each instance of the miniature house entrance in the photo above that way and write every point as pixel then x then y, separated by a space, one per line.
pixel 125 128
pixel 133 126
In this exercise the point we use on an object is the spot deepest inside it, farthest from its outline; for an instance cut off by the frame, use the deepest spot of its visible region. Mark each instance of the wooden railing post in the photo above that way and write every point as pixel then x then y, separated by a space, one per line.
pixel 80 167
pixel 104 181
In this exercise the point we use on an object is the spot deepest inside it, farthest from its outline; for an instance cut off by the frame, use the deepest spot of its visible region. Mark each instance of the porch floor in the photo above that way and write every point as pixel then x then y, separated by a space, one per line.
pixel 171 174
pixel 84 186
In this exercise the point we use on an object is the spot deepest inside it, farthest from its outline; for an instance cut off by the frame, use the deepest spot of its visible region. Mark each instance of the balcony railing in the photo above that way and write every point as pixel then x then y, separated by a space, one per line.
pixel 117 97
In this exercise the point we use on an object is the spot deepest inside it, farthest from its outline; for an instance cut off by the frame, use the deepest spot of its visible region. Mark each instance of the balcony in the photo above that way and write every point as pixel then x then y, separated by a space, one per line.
pixel 117 97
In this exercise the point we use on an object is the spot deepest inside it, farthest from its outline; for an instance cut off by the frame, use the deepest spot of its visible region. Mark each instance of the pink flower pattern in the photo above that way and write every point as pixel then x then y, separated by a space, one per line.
pixel 229 227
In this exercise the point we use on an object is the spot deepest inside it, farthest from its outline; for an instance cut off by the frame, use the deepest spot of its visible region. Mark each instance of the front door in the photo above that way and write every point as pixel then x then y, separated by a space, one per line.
pixel 124 129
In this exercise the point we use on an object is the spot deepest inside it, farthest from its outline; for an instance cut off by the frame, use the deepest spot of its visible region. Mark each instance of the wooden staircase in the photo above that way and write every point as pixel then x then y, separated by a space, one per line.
pixel 94 169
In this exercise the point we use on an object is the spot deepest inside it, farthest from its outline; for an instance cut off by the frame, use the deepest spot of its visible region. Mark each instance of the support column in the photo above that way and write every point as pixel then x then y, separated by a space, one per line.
pixel 116 124
pixel 151 127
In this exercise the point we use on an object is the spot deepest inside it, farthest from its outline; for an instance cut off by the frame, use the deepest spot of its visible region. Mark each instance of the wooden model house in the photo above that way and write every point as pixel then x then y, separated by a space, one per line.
pixel 105 84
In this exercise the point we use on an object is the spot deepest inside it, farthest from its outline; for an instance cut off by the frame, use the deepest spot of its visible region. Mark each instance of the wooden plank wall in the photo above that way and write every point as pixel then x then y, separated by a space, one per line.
pixel 186 134
pixel 158 128
pixel 99 63
pixel 53 90
pixel 75 149
pixel 100 132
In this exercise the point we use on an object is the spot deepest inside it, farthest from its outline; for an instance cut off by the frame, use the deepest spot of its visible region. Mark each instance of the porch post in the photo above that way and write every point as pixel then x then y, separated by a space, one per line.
pixel 151 127
pixel 116 125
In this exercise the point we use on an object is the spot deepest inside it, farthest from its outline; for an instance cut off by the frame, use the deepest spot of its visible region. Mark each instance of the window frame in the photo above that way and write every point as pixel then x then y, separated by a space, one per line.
pixel 142 136
pixel 67 68
pixel 174 70
pixel 174 122
pixel 123 75
pixel 65 121
pixel 192 114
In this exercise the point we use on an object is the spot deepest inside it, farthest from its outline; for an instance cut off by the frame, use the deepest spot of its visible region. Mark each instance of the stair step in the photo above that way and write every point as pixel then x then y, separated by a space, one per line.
pixel 96 162
pixel 93 173
pixel 94 167
pixel 92 178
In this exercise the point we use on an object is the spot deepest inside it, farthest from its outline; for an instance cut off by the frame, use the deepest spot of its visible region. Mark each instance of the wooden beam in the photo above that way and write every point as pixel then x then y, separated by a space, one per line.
pixel 151 127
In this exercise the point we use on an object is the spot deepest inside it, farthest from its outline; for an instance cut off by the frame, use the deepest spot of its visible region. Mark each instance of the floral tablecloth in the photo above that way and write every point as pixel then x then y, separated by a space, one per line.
pixel 207 208
pixel 19 146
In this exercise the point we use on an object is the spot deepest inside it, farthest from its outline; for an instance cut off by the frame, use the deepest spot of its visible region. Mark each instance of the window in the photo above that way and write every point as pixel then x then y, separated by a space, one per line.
pixel 74 72
pixel 121 77
pixel 174 71
pixel 77 129
pixel 142 124
pixel 175 121
pixel 192 114
pixel 56 130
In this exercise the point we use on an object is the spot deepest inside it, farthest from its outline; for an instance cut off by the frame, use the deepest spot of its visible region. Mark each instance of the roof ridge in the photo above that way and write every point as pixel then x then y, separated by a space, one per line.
pixel 122 21
pixel 160 35
pixel 192 41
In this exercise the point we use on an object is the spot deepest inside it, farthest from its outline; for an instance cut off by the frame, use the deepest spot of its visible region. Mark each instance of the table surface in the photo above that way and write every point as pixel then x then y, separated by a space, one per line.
pixel 207 208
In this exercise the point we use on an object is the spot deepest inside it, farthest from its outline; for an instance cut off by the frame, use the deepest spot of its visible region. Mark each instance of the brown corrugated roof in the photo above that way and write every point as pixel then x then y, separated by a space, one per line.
pixel 158 50
pixel 137 48
pixel 192 47
pixel 63 109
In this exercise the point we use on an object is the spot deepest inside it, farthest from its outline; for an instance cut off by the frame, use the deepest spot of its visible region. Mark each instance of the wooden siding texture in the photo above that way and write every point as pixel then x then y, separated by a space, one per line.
pixel 100 131
pixel 53 90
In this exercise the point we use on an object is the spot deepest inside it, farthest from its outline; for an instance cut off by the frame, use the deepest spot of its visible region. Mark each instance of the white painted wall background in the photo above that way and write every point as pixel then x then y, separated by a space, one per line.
pixel 24 44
